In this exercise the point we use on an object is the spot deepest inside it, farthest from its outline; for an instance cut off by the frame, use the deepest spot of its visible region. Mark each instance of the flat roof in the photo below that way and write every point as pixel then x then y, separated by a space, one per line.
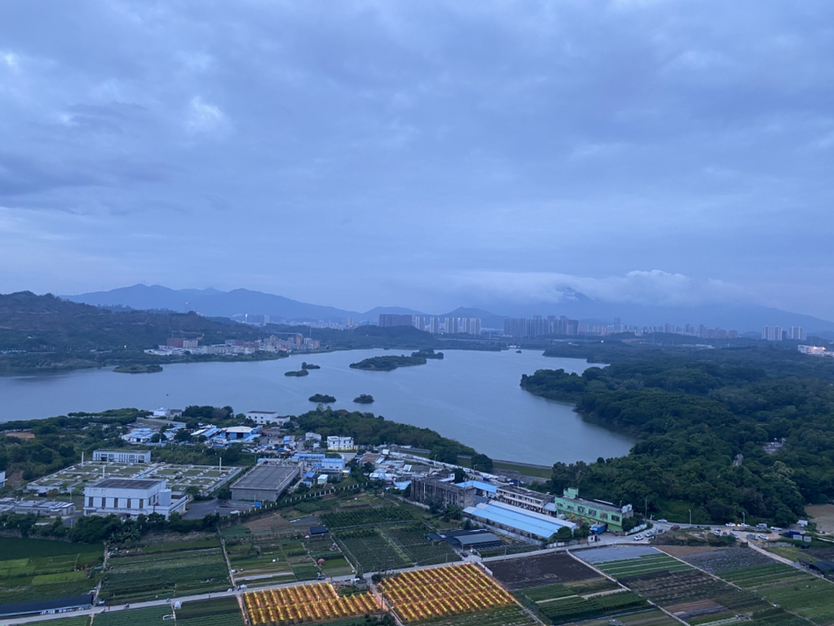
pixel 514 517
pixel 122 450
pixel 481 539
pixel 266 477
pixel 126 483
pixel 479 485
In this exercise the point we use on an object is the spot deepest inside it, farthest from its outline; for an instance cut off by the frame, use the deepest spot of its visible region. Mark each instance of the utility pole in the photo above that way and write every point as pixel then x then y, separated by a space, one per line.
pixel 690 517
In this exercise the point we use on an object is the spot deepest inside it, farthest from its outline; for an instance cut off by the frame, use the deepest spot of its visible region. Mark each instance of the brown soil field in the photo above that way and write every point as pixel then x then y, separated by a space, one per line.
pixel 24 434
pixel 685 551
pixel 268 524
pixel 823 516
pixel 537 571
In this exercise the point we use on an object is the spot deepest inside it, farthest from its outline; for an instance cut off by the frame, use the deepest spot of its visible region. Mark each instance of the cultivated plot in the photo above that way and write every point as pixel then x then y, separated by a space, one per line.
pixel 307 603
pixel 176 571
pixel 38 569
pixel 536 571
pixel 442 592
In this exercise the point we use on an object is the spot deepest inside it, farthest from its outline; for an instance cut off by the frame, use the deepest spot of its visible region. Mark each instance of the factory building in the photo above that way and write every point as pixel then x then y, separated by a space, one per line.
pixel 571 506
pixel 131 497
pixel 432 490
pixel 128 455
pixel 265 482
pixel 517 521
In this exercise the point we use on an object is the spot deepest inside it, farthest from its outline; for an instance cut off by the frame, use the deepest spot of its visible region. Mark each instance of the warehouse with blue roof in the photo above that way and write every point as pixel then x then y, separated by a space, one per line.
pixel 518 521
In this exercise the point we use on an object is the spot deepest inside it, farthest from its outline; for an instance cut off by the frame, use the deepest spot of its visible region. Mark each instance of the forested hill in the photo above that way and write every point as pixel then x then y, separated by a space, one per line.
pixel 46 323
pixel 702 427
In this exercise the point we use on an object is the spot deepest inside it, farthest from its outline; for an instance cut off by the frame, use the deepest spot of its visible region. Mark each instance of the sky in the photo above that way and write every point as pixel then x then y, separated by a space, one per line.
pixel 421 154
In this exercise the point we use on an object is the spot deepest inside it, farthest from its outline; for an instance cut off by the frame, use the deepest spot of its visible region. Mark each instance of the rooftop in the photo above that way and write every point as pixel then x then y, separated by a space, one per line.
pixel 266 477
pixel 521 519
pixel 126 483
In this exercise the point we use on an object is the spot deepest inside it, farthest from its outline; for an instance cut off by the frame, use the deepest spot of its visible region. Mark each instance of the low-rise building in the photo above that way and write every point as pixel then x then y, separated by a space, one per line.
pixel 126 455
pixel 340 443
pixel 265 482
pixel 524 498
pixel 263 418
pixel 572 507
pixel 517 521
pixel 131 497
pixel 432 490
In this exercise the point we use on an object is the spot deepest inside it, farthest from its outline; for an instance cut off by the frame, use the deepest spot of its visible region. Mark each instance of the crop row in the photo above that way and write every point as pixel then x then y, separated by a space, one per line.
pixel 306 603
pixel 363 517
pixel 577 608
pixel 427 594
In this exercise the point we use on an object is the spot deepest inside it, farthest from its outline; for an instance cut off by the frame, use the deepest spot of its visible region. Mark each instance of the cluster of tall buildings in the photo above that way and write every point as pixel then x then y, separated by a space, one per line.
pixel 539 326
pixel 777 333
pixel 434 325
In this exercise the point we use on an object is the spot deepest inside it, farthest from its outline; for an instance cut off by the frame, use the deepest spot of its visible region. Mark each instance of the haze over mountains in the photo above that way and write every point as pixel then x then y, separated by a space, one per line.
pixel 575 305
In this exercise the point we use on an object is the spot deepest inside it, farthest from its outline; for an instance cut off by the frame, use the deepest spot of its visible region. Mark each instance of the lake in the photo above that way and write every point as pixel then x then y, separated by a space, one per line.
pixel 470 396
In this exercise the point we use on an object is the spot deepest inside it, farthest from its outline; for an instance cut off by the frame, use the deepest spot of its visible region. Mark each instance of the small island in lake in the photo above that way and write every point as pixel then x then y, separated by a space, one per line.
pixel 322 398
pixel 297 373
pixel 387 363
pixel 310 366
pixel 137 368
pixel 427 353
pixel 364 398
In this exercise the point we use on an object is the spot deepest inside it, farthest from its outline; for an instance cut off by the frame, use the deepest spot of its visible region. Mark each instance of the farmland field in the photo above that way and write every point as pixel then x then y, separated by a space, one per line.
pixel 367 516
pixel 306 603
pixel 151 616
pixel 138 577
pixel 792 589
pixel 272 561
pixel 504 616
pixel 537 571
pixel 423 595
pixel 371 551
pixel 38 569
pixel 698 598
pixel 218 612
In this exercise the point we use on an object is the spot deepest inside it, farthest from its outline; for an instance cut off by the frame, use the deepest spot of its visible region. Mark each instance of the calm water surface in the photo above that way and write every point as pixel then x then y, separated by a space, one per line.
pixel 473 397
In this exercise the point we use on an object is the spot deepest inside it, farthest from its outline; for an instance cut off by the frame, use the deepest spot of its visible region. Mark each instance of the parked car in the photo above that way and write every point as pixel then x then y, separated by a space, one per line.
pixel 675 527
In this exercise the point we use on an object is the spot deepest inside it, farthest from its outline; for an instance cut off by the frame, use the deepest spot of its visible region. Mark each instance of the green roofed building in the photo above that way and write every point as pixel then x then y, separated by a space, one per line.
pixel 578 509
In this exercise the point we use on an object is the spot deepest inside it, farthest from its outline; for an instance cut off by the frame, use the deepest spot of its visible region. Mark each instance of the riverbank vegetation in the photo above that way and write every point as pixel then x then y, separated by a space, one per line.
pixel 727 434
pixel 427 353
pixel 387 363
pixel 136 368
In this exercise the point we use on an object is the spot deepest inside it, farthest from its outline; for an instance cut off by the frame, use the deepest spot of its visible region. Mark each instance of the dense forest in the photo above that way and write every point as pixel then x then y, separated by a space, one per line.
pixel 703 419
pixel 387 363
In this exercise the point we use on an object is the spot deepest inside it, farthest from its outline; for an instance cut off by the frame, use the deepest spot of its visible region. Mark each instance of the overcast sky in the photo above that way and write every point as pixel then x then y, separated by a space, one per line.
pixel 422 154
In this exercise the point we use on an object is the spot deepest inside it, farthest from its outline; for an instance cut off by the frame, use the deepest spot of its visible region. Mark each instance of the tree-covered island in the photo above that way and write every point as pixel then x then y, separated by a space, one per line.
pixel 388 363
pixel 302 372
pixel 427 353
pixel 322 398
pixel 364 398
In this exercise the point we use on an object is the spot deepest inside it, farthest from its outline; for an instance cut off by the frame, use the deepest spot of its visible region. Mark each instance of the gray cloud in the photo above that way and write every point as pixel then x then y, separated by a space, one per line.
pixel 368 149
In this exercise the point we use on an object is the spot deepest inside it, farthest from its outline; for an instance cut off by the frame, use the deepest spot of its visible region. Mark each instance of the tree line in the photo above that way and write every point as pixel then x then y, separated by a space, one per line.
pixel 702 421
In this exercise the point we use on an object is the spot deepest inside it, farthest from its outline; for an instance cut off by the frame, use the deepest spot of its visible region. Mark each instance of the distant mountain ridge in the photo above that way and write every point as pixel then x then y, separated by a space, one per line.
pixel 212 302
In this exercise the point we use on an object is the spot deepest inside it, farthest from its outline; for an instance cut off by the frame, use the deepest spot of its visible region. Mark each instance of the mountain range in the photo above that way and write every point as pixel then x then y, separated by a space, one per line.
pixel 574 305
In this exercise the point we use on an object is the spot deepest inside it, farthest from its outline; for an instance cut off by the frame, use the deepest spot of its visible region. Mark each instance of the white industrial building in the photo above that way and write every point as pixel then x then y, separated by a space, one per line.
pixel 131 497
pixel 123 456
pixel 340 443
pixel 262 418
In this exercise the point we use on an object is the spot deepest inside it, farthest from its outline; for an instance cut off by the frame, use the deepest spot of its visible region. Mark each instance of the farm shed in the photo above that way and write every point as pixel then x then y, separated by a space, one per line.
pixel 47 606
pixel 265 482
